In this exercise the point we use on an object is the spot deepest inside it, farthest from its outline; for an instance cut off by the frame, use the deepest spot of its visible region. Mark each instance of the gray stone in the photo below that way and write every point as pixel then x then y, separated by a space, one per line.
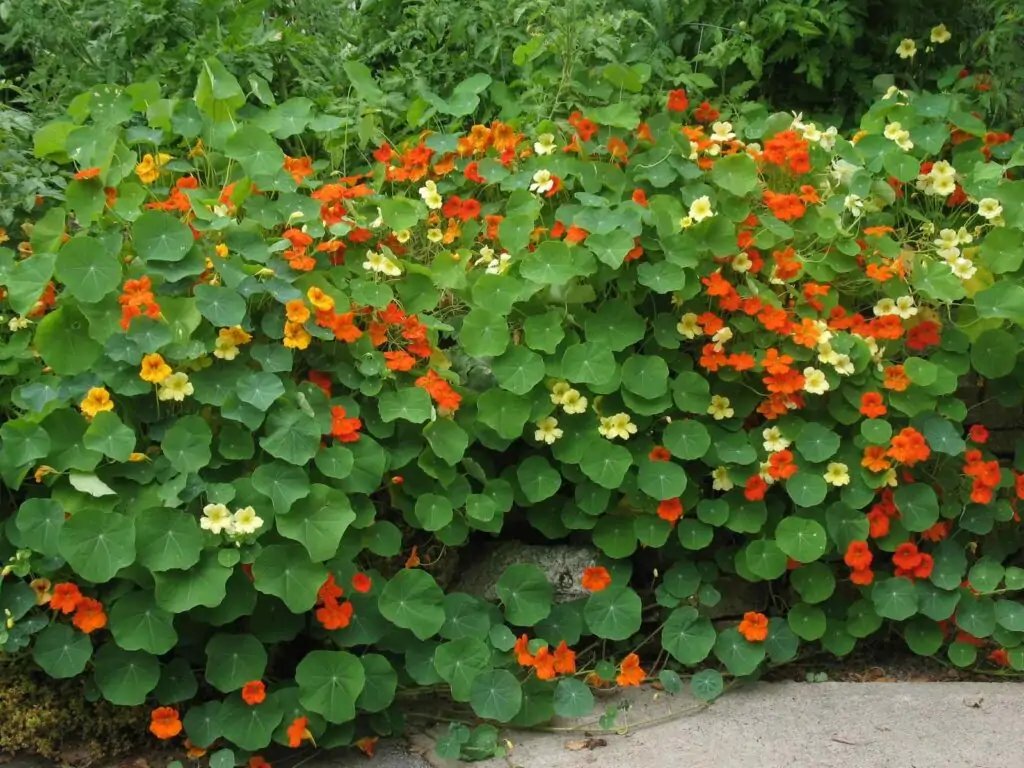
pixel 563 564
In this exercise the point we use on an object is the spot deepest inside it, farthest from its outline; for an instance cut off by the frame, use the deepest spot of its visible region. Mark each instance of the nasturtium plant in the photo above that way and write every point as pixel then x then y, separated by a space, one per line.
pixel 264 410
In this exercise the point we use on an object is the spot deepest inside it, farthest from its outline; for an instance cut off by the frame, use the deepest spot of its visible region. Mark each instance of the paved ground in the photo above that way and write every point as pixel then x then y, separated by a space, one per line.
pixel 774 725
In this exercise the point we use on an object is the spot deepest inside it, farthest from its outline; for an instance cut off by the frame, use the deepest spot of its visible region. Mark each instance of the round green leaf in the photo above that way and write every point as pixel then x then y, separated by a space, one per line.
pixel 614 613
pixel 202 723
pixel 976 616
pixel 433 512
pixel 39 522
pixel 381 683
pixel 538 479
pixel 124 677
pixel 994 353
pixel 283 484
pixel 484 333
pixel 336 461
pixel 707 685
pixel 61 651
pixel 286 571
pixel 318 521
pixel 158 236
pixel 88 269
pixel 525 592
pixel 807 621
pixel 918 506
pixel 876 431
pixel 412 600
pixel 765 559
pixel 204 584
pixel 688 636
pixel 177 682
pixel 187 444
pixel 803 540
pixel 221 306
pixel 894 598
pixel 166 539
pixel 688 440
pixel 815 582
pixel 503 412
pixel 817 443
pixel 588 363
pixel 97 544
pixel 234 660
pixel 249 727
pixel 1009 615
pixel 255 150
pixel 606 464
pixel 107 435
pixel 496 695
pixel 63 341
pixel 645 376
pixel 807 488
pixel 459 662
pixel 329 684
pixel 518 370
pixel 447 440
pixel 739 656
pixel 573 698
pixel 408 403
pixel 661 479
pixel 259 389
pixel 923 636
pixel 138 624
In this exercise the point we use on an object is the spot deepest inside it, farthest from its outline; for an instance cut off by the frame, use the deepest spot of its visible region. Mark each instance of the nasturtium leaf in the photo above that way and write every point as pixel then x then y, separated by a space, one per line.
pixel 661 479
pixel 283 484
pixel 918 506
pixel 552 263
pixel 61 651
pixel 1010 615
pixel 936 603
pixel 460 661
pixel 484 333
pixel 158 236
pixel 496 695
pixel 782 644
pixel 924 637
pixel 986 574
pixel 994 353
pixel 544 332
pixel 573 698
pixel 588 363
pixel 23 442
pixel 177 682
pixel 614 613
pixel 109 436
pixel 335 461
pixel 293 435
pixel 63 342
pixel 686 440
pixel 187 444
pixel 412 600
pixel 503 412
pixel 203 584
pixel 765 559
pixel 976 616
pixel 806 488
pixel 88 269
pixel 707 685
pixel 538 479
pixel 286 571
pixel 139 624
pixel 203 723
pixel 381 683
pixel 97 544
pixel 736 174
pixel 223 307
pixel 845 525
pixel 526 593
pixel 606 463
pixel 688 636
pixel 234 660
pixel 447 440
pixel 615 536
pixel 611 247
pixel 615 326
pixel 691 392
pixel 318 521
pixel 894 598
pixel 807 621
pixel 950 565
pixel 942 436
pixel 408 403
pixel 255 150
pixel 124 677
pixel 645 375
pixel 802 539
pixel 518 370
pixel 259 389
pixel 814 582
pixel 876 430
pixel 433 511
pixel 166 539
pixel 740 656
pixel 962 654
pixel 817 443
pixel 249 727
pixel 39 522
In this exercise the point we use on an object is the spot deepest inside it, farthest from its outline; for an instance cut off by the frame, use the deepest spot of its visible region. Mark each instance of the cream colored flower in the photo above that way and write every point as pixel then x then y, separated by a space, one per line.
pixel 843 365
pixel 742 263
pixel 545 144
pixel 435 235
pixel 430 195
pixel 217 519
pixel 573 402
pixel 246 522
pixel 906 49
pixel 963 268
pixel 720 408
pixel 175 387
pixel 543 181
pixel 884 307
pixel 905 307
pixel 720 480
pixel 815 382
pixel 892 131
pixel 617 426
pixel 558 391
pixel 547 431
pixel 225 348
pixel 403 235
pixel 722 132
pixel 940 34
pixel 774 441
pixel 378 262
pixel 837 474
pixel 989 208
pixel 688 326
pixel 721 337
pixel 854 204
pixel 700 209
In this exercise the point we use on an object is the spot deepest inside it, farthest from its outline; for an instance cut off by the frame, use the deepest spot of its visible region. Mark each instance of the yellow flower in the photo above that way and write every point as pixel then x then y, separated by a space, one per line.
pixel 547 431
pixel 573 402
pixel 296 336
pixel 175 387
pixel 940 34
pixel 154 369
pixel 720 408
pixel 815 381
pixel 235 334
pixel 41 587
pixel 558 391
pixel 615 426
pixel 689 326
pixel 137 457
pixel 221 250
pixel 320 300
pixel 3 236
pixel 837 474
pixel 906 49
pixel 148 170
pixel 42 471
pixel 198 150
pixel 97 401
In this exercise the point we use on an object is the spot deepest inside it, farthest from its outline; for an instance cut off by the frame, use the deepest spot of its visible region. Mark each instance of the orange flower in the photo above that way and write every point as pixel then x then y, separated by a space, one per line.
pixel 194 752
pixel 784 207
pixel 334 615
pixel 678 101
pixel 755 488
pixel 399 360
pixel 596 578
pixel 298 732
pixel 670 510
pixel 362 583
pixel 439 390
pixel 781 465
pixel 522 651
pixel 630 672
pixel 254 692
pixel 298 167
pixel 87 173
pixel 164 723
pixel 659 453
pixel 296 311
pixel 871 405
pixel 344 429
pixel 878 523
pixel 863 577
pixel 66 598
pixel 544 664
pixel 874 458
pixel 89 615
pixel 896 378
pixel 257 761
pixel 413 561
pixel 565 660
pixel 909 447
pixel 858 555
pixel 366 745
pixel 754 627
pixel 906 556
pixel 937 532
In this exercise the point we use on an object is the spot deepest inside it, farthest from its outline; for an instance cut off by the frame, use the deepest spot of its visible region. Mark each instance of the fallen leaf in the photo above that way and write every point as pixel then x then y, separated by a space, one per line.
pixel 576 746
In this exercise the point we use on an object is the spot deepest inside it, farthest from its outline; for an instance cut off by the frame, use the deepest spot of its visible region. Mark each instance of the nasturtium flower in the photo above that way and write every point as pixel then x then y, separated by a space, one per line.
pixel 630 673
pixel 221 250
pixel 298 732
pixel 858 555
pixel 378 262
pixel 18 323
pixel 254 692
pixel 435 235
pixel 96 401
pixel 543 181
pixel 545 144
pixel 617 426
pixel 774 440
pixel 989 208
pixel 837 474
pixel 720 408
pixel 175 387
pixel 245 521
pixel 815 382
pixel 217 519
pixel 963 268
pixel 905 307
pixel 148 170
pixel 700 209
pixel 843 365
pixel 154 369
pixel 573 402
pixel 741 262
pixel 430 195
pixel 165 723
pixel 596 578
pixel 854 204
pixel 689 326
pixel 558 390
pixel 722 132
pixel 754 627
pixel 906 49
pixel 940 34
pixel 720 480
pixel 296 336
pixel 547 431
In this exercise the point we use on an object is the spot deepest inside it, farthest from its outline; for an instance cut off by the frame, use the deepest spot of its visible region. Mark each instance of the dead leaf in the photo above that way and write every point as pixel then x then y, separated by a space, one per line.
pixel 576 746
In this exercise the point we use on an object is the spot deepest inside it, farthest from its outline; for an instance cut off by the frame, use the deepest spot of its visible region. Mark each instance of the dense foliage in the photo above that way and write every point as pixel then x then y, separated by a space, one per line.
pixel 253 398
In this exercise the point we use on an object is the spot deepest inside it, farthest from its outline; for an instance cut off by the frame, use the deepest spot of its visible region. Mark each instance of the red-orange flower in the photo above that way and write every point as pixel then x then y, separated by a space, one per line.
pixel 366 745
pixel 872 406
pixel 858 555
pixel 335 615
pixel 254 692
pixel 66 598
pixel 256 761
pixel 906 556
pixel 344 429
pixel 87 173
pixel 630 673
pixel 670 510
pixel 164 723
pixel 754 627
pixel 909 447
pixel 896 378
pixel 298 732
pixel 875 458
pixel 565 659
pixel 89 615
pixel 659 453
pixel 862 578
pixel 362 583
pixel 596 578
pixel 678 101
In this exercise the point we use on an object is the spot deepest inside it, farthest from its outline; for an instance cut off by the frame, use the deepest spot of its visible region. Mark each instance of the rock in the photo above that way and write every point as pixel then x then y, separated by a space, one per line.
pixel 563 564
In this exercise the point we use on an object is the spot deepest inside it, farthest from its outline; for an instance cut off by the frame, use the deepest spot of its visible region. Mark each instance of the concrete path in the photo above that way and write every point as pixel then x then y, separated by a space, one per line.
pixel 770 725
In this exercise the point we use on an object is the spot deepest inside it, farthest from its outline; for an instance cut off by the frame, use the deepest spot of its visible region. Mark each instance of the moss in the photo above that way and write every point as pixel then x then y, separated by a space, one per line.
pixel 53 719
